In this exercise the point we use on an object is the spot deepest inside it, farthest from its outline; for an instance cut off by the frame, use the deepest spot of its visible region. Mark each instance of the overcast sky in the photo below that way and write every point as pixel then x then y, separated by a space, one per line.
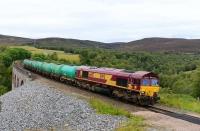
pixel 100 20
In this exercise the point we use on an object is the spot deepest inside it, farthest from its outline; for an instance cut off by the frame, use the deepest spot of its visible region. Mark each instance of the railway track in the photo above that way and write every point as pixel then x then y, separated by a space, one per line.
pixel 20 68
pixel 177 115
pixel 182 116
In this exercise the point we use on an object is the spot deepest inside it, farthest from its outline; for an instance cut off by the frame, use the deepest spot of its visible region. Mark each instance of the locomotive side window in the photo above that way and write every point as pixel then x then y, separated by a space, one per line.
pixel 136 82
pixel 91 74
pixel 102 76
pixel 85 74
pixel 122 82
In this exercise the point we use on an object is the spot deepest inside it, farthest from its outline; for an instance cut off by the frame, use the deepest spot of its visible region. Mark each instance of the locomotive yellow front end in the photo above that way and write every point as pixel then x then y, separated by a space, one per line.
pixel 148 87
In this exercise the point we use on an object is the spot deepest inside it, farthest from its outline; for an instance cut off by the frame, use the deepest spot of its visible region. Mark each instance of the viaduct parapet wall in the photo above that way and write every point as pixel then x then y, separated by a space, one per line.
pixel 20 76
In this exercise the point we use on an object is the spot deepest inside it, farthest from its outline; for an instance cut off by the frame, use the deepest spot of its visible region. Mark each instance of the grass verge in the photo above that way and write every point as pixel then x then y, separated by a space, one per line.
pixel 135 123
pixel 184 102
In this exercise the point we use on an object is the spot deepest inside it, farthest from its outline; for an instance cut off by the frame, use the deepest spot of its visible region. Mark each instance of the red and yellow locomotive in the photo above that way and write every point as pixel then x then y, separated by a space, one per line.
pixel 140 87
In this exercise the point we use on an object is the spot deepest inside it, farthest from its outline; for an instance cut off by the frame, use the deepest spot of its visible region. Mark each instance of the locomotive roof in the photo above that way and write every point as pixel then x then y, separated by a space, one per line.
pixel 142 74
pixel 119 72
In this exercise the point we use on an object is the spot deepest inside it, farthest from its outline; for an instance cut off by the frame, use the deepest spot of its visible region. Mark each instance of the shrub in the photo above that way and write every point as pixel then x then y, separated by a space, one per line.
pixel 180 101
pixel 3 90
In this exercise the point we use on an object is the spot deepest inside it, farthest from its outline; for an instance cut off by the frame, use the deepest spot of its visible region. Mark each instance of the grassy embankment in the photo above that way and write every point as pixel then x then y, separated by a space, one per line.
pixel 61 54
pixel 180 101
pixel 135 123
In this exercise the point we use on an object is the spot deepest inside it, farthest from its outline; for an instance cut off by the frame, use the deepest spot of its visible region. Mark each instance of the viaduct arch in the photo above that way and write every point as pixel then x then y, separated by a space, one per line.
pixel 20 76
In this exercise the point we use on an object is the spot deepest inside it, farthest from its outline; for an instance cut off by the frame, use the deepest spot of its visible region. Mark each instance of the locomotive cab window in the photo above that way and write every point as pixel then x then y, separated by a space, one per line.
pixel 145 82
pixel 122 82
pixel 154 82
pixel 85 74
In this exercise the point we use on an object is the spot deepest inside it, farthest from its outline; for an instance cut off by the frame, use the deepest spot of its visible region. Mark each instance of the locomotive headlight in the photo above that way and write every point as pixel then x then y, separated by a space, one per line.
pixel 142 92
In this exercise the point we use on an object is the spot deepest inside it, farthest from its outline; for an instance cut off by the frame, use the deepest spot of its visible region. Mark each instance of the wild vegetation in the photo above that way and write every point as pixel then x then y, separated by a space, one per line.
pixel 180 101
pixel 135 123
pixel 7 56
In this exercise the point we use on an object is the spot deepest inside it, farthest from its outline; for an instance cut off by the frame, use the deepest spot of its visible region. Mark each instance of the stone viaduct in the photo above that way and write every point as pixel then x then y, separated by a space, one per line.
pixel 20 76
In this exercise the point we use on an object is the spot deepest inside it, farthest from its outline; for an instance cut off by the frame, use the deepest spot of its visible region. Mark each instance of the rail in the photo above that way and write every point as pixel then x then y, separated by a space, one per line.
pixel 182 116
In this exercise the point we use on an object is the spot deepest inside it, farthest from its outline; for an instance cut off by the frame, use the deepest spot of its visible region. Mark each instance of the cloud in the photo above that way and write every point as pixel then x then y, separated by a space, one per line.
pixel 102 20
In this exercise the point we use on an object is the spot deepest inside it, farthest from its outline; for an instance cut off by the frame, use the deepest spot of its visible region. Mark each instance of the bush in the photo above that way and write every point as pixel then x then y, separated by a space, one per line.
pixel 39 57
pixel 12 54
pixel 185 102
pixel 53 56
pixel 3 90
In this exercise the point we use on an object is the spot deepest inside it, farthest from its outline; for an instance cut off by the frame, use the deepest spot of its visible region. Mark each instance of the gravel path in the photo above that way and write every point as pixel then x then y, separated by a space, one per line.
pixel 37 106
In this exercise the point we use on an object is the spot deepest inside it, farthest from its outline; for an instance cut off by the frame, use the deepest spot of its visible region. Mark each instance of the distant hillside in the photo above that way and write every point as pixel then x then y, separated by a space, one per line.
pixel 73 43
pixel 12 40
pixel 162 44
pixel 147 44
pixel 68 43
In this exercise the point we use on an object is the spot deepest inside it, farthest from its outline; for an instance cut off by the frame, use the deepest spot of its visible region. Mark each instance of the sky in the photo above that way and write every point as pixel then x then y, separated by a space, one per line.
pixel 101 20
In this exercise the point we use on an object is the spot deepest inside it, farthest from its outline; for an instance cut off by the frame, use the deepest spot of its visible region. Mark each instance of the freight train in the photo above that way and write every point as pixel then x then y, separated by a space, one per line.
pixel 139 87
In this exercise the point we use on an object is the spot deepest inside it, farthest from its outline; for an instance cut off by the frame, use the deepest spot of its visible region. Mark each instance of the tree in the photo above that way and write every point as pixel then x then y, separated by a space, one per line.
pixel 6 59
pixel 3 90
pixel 12 54
pixel 39 57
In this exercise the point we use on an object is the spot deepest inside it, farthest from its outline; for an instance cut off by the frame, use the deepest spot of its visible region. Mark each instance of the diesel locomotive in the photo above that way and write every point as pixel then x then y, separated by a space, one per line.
pixel 139 87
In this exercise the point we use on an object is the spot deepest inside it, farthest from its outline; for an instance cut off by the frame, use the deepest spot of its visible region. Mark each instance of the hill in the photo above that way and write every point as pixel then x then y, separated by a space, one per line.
pixel 12 40
pixel 147 44
pixel 68 43
pixel 162 44
pixel 153 44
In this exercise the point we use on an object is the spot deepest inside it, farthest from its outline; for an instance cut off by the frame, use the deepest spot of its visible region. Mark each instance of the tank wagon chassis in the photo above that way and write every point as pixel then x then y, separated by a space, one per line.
pixel 76 81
